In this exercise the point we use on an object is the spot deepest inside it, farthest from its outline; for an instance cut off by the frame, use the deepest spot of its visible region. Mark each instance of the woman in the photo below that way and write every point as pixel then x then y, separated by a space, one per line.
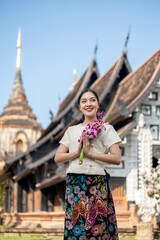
pixel 89 207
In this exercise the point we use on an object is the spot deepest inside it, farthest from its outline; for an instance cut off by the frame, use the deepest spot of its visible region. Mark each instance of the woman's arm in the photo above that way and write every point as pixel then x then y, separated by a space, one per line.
pixel 113 158
pixel 62 154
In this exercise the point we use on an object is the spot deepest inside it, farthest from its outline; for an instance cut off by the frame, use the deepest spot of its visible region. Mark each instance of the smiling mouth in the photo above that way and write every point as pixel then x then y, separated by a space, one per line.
pixel 89 109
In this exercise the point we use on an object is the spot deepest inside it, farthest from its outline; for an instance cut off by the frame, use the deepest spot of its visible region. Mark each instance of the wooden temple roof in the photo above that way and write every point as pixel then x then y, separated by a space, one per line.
pixel 123 102
pixel 68 99
pixel 49 182
pixel 105 83
pixel 34 165
pixel 57 128
pixel 133 88
pixel 89 76
pixel 123 131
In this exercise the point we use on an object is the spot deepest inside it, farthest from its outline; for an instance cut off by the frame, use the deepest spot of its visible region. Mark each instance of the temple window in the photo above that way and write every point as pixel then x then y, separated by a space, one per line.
pixel 146 109
pixel 155 131
pixel 153 96
pixel 158 111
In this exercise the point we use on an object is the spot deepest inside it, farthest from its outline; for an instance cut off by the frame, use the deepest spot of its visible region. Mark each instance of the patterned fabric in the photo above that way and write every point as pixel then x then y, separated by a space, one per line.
pixel 89 208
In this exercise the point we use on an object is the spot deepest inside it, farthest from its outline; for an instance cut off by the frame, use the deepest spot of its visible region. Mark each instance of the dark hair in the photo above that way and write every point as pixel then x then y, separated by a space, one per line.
pixel 87 90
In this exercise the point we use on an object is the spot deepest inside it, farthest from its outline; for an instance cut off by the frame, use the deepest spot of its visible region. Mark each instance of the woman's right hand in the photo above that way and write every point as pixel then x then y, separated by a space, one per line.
pixel 80 146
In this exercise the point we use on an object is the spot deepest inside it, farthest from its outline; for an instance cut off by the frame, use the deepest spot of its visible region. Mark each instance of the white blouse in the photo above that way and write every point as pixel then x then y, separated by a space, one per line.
pixel 105 139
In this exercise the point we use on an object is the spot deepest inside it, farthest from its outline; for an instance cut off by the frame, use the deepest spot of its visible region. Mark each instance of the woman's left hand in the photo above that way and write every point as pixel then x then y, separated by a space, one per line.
pixel 86 144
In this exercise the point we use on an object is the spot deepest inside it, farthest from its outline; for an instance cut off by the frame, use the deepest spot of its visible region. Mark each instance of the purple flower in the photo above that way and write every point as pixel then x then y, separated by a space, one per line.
pixel 99 114
pixel 92 131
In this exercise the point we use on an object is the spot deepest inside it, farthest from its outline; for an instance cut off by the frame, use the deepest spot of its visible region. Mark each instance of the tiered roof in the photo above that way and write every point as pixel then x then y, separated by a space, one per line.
pixel 17 113
pixel 133 89
pixel 119 91
pixel 70 101
pixel 108 81
pixel 57 128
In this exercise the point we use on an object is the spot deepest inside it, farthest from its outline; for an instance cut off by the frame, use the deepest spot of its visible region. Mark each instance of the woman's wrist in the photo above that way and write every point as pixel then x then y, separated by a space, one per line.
pixel 89 155
pixel 76 154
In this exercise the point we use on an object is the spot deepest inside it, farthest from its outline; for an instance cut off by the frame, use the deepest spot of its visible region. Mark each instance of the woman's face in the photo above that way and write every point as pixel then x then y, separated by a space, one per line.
pixel 88 104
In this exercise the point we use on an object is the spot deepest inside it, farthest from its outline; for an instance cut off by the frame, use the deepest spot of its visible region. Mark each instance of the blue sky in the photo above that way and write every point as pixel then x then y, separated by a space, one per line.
pixel 60 35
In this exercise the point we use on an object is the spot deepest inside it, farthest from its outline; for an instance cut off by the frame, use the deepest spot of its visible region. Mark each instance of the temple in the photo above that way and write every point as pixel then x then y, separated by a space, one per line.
pixel 18 129
pixel 37 184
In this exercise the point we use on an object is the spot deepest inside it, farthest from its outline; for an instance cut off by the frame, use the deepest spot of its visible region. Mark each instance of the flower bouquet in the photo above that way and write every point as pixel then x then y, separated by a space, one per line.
pixel 92 131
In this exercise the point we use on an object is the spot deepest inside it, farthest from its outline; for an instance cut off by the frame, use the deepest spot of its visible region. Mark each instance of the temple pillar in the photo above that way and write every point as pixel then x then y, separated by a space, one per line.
pixel 15 199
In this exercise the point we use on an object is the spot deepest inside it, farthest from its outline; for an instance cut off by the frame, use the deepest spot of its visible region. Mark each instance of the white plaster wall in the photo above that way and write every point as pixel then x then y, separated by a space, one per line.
pixel 153 119
pixel 131 149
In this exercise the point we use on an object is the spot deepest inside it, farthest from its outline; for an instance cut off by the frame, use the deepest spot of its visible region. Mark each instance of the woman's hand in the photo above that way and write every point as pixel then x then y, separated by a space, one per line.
pixel 86 144
pixel 80 147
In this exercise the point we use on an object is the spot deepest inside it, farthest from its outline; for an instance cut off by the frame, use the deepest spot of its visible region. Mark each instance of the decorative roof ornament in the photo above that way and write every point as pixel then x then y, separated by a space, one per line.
pixel 146 204
pixel 51 115
pixel 74 72
pixel 75 79
pixel 60 99
pixel 141 121
pixel 95 50
pixel 126 42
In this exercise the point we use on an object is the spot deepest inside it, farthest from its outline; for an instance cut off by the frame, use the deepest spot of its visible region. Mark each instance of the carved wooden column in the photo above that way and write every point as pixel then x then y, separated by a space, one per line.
pixel 15 194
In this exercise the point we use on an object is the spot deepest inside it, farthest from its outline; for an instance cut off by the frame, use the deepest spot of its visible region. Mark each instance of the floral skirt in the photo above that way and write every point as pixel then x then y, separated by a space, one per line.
pixel 89 208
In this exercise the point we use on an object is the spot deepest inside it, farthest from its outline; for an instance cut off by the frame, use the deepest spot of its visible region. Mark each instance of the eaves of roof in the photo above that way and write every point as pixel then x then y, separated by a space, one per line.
pixel 49 182
pixel 37 145
pixel 72 96
pixel 123 131
pixel 34 165
pixel 42 160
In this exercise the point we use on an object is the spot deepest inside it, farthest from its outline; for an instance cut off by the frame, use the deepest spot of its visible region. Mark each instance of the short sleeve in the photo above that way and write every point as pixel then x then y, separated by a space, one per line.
pixel 65 138
pixel 110 137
